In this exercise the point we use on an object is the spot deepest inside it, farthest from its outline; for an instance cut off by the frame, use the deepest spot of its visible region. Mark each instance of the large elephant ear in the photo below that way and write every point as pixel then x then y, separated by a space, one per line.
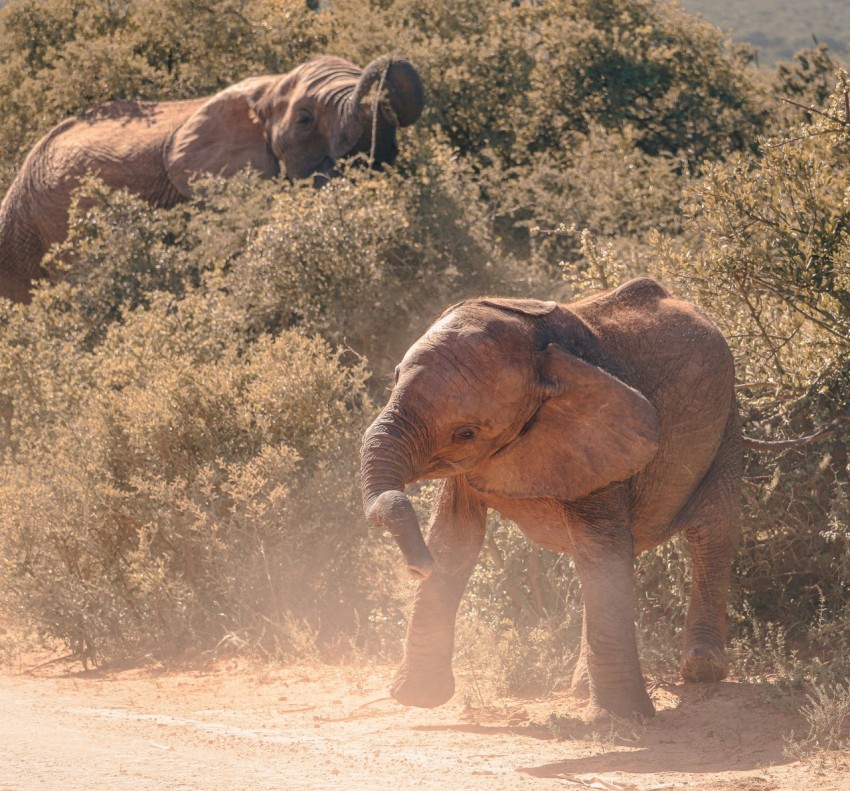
pixel 222 137
pixel 592 430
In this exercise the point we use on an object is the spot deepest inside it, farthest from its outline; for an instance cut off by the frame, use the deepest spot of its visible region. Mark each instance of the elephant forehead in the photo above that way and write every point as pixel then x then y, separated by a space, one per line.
pixel 466 365
pixel 478 340
pixel 328 79
pixel 461 398
pixel 443 347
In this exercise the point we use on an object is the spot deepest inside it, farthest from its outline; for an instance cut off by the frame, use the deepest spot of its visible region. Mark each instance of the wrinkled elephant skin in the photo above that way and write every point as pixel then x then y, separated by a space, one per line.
pixel 601 428
pixel 297 124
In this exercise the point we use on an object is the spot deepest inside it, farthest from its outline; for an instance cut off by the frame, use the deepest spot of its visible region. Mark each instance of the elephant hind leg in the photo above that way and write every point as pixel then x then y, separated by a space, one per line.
pixel 21 251
pixel 711 524
pixel 580 684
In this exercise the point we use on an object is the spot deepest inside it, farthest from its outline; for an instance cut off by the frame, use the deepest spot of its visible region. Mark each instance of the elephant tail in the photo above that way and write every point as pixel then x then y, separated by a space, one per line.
pixel 768 446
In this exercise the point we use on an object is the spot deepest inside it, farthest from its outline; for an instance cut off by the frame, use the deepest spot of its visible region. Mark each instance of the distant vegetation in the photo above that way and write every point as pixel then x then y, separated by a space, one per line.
pixel 779 28
pixel 180 417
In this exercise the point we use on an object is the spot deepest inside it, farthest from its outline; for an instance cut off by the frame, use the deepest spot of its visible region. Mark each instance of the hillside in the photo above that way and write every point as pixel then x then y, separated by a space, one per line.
pixel 779 28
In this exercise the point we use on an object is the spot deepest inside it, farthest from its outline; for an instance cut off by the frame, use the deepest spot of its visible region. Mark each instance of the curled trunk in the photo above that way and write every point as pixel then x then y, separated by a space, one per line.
pixel 385 468
pixel 400 104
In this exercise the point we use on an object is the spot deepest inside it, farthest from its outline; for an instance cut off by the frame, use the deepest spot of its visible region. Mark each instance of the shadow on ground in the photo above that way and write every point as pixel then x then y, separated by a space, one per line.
pixel 699 728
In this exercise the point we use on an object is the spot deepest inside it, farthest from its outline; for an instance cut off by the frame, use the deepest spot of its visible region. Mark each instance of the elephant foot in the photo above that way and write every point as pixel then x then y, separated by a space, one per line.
pixel 627 705
pixel 596 714
pixel 423 690
pixel 704 663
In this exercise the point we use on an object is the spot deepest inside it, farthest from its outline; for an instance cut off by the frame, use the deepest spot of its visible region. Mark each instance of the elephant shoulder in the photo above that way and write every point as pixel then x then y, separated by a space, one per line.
pixel 643 288
pixel 111 126
pixel 638 292
pixel 641 297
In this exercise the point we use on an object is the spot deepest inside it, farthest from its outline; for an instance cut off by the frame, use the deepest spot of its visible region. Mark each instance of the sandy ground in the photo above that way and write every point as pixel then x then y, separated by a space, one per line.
pixel 231 726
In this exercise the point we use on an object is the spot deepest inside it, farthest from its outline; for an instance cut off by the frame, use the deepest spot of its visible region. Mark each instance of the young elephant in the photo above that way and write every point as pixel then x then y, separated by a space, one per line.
pixel 601 428
pixel 297 124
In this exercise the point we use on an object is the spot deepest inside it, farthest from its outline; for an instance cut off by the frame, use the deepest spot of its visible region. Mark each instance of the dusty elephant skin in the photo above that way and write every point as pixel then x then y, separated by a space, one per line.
pixel 297 124
pixel 601 428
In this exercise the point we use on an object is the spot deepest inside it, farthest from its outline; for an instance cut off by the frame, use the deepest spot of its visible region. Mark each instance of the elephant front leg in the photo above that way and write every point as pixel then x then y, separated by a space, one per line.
pixel 455 537
pixel 608 670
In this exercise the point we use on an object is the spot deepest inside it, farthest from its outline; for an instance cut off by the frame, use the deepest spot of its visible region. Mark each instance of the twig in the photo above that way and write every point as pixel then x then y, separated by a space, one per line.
pixel 785 444
pixel 513 591
pixel 376 700
pixel 829 116
pixel 67 658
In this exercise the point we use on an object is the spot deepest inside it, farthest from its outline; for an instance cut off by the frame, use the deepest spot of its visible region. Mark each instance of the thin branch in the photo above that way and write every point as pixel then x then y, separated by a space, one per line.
pixel 812 109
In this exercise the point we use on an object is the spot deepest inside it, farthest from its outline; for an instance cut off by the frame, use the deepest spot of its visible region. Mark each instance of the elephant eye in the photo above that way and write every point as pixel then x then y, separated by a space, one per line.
pixel 304 118
pixel 464 434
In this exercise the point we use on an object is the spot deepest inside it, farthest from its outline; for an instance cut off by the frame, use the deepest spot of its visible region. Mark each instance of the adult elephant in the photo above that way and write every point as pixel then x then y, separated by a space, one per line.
pixel 298 124
pixel 601 428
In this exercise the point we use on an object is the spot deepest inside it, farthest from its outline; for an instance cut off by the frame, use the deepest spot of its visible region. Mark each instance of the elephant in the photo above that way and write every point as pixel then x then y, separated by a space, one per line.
pixel 601 428
pixel 298 124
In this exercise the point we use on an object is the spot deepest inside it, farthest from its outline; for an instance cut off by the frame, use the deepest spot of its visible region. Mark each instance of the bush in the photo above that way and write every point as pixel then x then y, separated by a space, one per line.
pixel 767 253
pixel 179 507
pixel 188 359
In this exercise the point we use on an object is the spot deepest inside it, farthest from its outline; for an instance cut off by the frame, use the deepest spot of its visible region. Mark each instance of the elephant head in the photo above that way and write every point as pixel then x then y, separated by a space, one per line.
pixel 507 393
pixel 300 123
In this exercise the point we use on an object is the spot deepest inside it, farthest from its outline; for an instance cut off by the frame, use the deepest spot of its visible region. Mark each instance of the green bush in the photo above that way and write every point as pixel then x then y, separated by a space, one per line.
pixel 521 78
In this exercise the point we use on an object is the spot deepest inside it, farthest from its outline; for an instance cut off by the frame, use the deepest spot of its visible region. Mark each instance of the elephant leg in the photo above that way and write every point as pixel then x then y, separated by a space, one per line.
pixel 580 684
pixel 608 663
pixel 21 251
pixel 711 525
pixel 455 536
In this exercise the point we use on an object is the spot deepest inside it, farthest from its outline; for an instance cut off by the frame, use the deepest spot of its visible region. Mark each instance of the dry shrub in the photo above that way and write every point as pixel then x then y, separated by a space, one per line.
pixel 179 508
pixel 183 412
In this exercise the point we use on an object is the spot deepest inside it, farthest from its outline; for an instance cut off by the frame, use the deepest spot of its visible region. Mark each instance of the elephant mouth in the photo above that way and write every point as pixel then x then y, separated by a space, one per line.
pixel 438 468
pixel 324 172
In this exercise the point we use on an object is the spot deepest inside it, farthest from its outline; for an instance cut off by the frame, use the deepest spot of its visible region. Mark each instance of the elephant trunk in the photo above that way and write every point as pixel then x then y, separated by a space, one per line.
pixel 402 99
pixel 385 468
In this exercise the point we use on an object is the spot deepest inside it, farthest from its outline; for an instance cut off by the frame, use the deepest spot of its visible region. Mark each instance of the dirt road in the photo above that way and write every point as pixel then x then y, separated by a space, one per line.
pixel 230 727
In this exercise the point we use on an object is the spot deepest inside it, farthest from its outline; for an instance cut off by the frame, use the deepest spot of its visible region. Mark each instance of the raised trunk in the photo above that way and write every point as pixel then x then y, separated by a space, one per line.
pixel 385 468
pixel 401 102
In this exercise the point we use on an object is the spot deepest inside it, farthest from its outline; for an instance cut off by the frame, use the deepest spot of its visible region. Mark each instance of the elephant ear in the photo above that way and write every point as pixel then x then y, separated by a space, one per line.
pixel 222 137
pixel 592 430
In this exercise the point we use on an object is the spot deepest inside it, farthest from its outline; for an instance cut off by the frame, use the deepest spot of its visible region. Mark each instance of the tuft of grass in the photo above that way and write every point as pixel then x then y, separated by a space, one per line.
pixel 827 713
